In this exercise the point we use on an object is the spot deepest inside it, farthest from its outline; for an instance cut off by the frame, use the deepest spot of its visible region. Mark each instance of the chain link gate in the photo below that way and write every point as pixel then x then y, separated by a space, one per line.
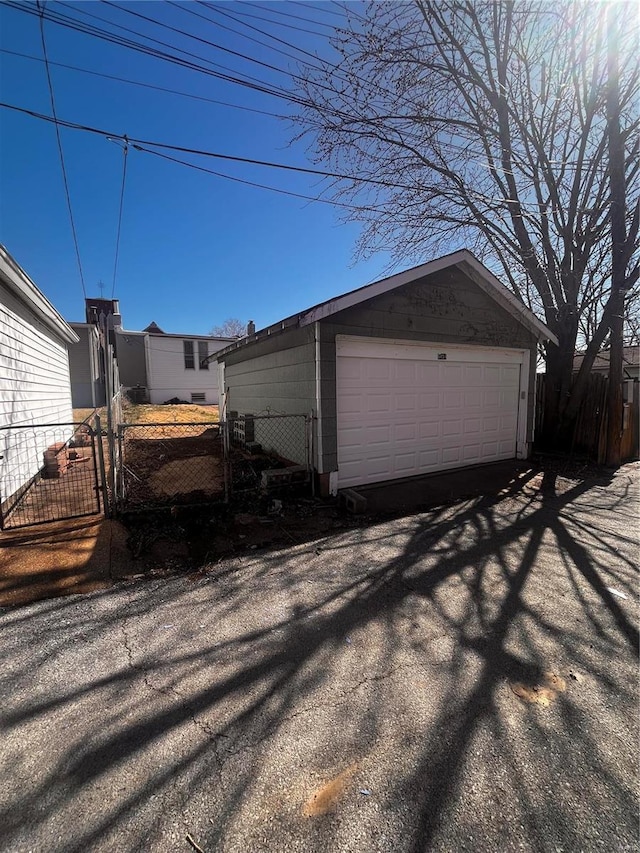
pixel 49 472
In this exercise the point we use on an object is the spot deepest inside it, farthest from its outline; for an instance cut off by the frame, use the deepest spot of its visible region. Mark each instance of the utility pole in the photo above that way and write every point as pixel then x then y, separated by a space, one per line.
pixel 618 240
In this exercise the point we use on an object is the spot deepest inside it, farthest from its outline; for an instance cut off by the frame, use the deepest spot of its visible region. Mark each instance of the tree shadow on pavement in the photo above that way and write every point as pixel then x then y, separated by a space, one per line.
pixel 387 656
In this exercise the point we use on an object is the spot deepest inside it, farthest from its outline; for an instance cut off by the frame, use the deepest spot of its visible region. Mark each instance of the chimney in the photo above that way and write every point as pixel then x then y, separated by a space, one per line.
pixel 251 328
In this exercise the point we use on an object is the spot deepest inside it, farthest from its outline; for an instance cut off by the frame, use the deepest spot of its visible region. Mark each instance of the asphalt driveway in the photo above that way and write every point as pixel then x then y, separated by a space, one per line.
pixel 459 679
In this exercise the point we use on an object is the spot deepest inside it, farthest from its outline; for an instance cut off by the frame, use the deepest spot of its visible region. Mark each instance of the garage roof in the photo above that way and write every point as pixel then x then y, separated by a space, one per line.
pixel 465 260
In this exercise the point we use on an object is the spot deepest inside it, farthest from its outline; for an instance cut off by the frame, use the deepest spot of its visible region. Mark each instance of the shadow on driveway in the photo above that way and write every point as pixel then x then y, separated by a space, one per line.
pixel 380 662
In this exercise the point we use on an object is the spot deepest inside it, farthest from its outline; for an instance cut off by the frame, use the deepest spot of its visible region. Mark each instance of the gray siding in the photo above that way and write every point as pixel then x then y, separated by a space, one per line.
pixel 445 307
pixel 279 376
pixel 86 388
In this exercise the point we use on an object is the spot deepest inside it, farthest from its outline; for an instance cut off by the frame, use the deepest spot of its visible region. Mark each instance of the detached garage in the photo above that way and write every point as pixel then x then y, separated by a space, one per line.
pixel 424 371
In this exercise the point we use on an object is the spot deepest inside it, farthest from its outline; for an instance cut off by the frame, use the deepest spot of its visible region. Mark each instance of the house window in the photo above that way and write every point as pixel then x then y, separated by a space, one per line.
pixel 189 361
pixel 198 397
pixel 203 352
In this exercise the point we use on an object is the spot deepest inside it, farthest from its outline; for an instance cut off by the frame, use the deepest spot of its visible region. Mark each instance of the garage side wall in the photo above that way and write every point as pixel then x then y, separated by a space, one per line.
pixel 446 307
pixel 279 376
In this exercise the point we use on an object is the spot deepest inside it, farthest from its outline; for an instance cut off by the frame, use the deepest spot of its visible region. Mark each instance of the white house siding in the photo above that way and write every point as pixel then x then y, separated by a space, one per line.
pixel 166 373
pixel 35 388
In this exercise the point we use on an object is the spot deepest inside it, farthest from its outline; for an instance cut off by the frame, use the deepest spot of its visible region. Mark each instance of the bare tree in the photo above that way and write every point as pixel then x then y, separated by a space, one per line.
pixel 231 328
pixel 484 125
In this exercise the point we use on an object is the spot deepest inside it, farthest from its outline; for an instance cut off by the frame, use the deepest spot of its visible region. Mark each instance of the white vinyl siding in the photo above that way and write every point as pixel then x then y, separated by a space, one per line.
pixel 166 372
pixel 34 388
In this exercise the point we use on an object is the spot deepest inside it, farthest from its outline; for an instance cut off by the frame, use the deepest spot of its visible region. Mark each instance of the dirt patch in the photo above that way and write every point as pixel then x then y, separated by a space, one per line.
pixel 61 559
pixel 174 463
pixel 170 414
pixel 325 798
pixel 200 474
pixel 543 692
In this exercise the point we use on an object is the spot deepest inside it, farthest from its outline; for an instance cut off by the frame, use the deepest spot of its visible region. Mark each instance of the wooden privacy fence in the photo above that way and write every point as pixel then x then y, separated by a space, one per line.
pixel 590 432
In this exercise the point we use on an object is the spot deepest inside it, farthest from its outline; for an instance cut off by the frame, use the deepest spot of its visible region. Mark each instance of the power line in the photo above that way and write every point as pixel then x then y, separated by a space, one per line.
pixel 196 38
pixel 253 183
pixel 184 8
pixel 227 14
pixel 293 17
pixel 113 38
pixel 217 46
pixel 318 8
pixel 125 151
pixel 204 153
pixel 59 140
pixel 142 84
pixel 271 21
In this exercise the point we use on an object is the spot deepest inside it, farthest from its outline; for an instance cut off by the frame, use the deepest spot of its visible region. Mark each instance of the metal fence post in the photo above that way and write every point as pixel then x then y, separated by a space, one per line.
pixel 106 503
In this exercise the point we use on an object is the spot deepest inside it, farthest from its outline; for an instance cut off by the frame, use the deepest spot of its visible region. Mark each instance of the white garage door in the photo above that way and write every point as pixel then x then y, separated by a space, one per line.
pixel 405 409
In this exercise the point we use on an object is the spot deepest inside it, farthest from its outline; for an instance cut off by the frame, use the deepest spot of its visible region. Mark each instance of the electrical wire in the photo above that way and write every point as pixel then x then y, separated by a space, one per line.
pixel 253 183
pixel 113 38
pixel 204 153
pixel 270 20
pixel 142 84
pixel 60 150
pixel 322 9
pixel 179 31
pixel 125 151
pixel 242 23
pixel 183 8
pixel 292 16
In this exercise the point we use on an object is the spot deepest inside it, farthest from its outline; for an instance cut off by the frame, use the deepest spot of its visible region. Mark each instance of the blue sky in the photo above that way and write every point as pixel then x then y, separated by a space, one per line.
pixel 194 249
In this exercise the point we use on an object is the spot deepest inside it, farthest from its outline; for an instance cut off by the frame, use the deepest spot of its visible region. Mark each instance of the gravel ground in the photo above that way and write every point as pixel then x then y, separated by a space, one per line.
pixel 460 679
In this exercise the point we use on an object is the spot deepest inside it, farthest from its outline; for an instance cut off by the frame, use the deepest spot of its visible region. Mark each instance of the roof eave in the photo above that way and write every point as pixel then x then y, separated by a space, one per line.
pixel 463 259
pixel 17 280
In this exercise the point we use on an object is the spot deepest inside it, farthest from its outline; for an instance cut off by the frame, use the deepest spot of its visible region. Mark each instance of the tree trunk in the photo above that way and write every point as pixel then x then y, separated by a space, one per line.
pixel 557 429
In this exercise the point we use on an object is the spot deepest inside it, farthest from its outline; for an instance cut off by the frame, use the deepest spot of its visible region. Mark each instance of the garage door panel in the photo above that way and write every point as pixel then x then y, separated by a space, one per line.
pixel 428 459
pixel 404 462
pixel 400 416
pixel 431 400
pixel 453 399
pixel 428 373
pixel 429 429
pixel 472 426
pixel 450 428
pixel 378 369
pixel 378 403
pixel 451 454
pixel 406 432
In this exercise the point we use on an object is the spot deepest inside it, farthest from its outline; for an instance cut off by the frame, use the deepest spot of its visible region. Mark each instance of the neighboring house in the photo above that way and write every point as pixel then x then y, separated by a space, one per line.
pixel 35 385
pixel 427 370
pixel 177 366
pixel 153 366
pixel 630 362
pixel 86 368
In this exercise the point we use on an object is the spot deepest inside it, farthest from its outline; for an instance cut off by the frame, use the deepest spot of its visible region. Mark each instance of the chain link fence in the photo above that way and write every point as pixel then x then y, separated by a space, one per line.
pixel 244 457
pixel 169 463
pixel 267 454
